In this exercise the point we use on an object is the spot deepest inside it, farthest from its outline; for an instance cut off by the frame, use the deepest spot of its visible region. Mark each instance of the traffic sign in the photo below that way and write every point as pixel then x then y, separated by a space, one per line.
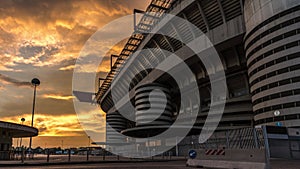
pixel 192 154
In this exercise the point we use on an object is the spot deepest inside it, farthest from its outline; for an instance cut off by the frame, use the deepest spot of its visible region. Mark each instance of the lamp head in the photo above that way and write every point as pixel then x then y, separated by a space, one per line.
pixel 35 81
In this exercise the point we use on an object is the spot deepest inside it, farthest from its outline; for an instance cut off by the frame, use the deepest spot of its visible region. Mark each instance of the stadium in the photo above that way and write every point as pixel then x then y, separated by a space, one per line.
pixel 257 42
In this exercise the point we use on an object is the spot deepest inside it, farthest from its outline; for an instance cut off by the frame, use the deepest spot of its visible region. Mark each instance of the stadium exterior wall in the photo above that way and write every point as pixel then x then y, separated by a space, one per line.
pixel 258 42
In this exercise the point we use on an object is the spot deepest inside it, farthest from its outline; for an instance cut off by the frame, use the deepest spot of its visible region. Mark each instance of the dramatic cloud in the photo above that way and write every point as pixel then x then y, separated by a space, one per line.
pixel 51 125
pixel 43 39
pixel 58 97
pixel 60 125
pixel 15 82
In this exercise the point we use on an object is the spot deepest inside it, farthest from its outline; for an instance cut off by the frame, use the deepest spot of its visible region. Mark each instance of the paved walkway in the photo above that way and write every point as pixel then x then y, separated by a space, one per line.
pixel 61 161
pixel 41 160
pixel 132 165
pixel 285 164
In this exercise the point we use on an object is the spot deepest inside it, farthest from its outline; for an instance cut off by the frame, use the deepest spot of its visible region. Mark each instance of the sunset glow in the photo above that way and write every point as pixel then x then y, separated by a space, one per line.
pixel 48 125
pixel 43 39
pixel 58 97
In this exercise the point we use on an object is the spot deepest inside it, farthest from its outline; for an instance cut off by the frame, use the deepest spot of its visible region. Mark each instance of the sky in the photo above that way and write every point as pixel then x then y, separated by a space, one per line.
pixel 42 39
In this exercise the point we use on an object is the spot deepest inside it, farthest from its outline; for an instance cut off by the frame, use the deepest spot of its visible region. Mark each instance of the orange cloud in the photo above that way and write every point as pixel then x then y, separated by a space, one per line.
pixel 43 39
pixel 63 24
pixel 70 67
pixel 59 125
pixel 64 125
pixel 58 97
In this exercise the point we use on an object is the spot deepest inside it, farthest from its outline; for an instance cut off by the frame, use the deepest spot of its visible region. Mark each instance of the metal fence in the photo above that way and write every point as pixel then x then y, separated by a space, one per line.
pixel 244 138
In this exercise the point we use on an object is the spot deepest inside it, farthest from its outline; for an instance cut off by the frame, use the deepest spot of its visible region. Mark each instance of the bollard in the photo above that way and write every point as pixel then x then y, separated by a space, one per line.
pixel 87 154
pixel 48 155
pixel 25 153
pixel 22 155
pixel 69 153
pixel 103 155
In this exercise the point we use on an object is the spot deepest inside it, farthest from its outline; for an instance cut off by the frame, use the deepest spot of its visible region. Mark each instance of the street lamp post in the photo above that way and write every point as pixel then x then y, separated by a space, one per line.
pixel 88 149
pixel 35 82
pixel 89 141
pixel 22 121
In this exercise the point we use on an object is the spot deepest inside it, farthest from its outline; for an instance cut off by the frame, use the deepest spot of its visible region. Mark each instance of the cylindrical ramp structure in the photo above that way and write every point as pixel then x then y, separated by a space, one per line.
pixel 272 45
pixel 153 105
pixel 115 122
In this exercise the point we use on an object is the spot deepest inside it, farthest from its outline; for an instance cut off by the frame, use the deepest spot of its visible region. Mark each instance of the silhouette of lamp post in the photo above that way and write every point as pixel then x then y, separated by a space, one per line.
pixel 22 121
pixel 35 82
pixel 89 137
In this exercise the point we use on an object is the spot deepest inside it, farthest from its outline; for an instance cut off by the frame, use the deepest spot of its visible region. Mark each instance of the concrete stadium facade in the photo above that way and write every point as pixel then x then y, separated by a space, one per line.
pixel 258 44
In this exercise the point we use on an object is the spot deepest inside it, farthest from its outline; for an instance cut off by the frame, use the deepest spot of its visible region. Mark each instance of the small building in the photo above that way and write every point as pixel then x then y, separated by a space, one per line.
pixel 8 131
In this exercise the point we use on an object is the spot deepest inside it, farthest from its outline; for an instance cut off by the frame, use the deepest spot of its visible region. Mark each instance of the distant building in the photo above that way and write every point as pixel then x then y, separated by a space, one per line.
pixel 8 131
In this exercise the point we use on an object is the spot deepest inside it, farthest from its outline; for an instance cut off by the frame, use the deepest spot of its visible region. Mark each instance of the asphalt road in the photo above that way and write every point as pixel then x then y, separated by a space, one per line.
pixel 143 165
pixel 275 164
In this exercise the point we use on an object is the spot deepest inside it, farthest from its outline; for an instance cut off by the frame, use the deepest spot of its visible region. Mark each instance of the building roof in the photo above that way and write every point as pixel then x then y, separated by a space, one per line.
pixel 18 130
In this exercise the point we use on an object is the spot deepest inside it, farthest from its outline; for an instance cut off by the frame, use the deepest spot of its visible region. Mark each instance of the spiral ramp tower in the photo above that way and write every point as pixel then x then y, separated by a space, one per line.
pixel 159 103
pixel 272 45
pixel 115 123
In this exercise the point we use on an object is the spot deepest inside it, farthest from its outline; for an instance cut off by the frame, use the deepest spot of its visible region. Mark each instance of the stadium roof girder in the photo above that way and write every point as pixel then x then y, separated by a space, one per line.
pixel 157 6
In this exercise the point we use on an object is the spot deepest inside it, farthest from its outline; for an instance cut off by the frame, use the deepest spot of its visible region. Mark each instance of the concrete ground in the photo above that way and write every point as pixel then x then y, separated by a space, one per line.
pixel 78 162
pixel 285 164
pixel 38 159
pixel 144 165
